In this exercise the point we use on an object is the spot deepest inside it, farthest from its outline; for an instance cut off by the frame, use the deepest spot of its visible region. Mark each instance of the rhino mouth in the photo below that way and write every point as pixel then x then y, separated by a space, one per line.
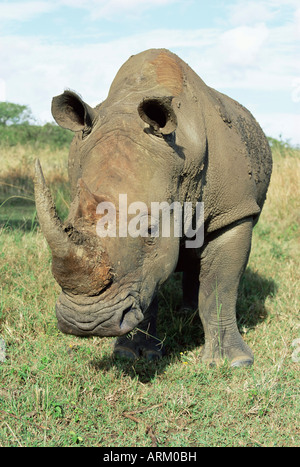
pixel 97 318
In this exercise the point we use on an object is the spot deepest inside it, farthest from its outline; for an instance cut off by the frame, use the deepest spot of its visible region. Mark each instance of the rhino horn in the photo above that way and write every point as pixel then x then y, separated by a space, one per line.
pixel 50 223
pixel 77 268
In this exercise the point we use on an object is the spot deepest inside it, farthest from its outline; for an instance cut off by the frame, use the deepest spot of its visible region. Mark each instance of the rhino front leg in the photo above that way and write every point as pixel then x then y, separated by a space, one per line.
pixel 222 263
pixel 143 341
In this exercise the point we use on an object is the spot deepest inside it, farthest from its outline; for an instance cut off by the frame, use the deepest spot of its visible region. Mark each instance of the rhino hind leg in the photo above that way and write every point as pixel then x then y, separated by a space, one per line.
pixel 222 263
pixel 143 341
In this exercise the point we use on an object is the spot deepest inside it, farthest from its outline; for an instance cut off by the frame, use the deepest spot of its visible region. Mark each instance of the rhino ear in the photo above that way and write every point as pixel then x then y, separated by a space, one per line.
pixel 70 112
pixel 159 114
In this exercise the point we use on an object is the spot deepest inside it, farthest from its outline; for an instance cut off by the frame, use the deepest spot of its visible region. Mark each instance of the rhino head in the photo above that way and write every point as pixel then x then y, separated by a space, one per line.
pixel 124 146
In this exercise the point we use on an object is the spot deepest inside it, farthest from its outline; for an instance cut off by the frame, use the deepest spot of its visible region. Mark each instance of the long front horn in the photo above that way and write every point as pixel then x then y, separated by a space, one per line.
pixel 51 225
pixel 80 269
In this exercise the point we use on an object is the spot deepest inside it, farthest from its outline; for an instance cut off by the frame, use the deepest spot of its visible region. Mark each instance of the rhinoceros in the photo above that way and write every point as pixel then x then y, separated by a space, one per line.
pixel 161 136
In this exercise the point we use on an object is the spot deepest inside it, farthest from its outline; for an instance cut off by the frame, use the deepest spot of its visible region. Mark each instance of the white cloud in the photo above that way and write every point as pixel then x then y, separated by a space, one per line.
pixel 297 24
pixel 296 90
pixel 26 10
pixel 285 125
pixel 281 3
pixel 250 12
pixel 241 46
pixel 113 7
pixel 109 9
pixel 23 11
pixel 2 90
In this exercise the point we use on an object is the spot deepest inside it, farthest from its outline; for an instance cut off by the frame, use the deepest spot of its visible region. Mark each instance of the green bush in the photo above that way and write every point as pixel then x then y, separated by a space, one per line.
pixel 38 136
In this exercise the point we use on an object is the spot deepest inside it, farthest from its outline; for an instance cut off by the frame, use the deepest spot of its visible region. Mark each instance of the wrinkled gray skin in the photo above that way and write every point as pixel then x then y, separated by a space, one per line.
pixel 161 135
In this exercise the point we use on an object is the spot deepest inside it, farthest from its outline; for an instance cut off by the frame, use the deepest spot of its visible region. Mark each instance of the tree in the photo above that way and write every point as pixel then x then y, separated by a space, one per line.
pixel 14 113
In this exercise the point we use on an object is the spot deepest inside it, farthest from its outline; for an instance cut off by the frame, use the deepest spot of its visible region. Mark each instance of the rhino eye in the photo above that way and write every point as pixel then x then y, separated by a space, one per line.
pixel 159 114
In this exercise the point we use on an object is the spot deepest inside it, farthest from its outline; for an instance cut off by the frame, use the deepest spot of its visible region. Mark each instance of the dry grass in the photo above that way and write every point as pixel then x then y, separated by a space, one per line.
pixel 284 191
pixel 22 158
pixel 17 208
pixel 58 390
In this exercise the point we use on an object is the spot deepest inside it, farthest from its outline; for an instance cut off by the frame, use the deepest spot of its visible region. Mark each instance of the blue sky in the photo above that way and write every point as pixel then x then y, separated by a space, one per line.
pixel 248 49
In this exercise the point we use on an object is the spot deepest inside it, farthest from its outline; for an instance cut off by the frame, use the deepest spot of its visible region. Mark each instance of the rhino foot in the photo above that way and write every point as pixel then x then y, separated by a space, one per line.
pixel 237 355
pixel 140 345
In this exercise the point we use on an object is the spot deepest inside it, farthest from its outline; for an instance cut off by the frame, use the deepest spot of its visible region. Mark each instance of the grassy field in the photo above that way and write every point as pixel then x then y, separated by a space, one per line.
pixel 59 390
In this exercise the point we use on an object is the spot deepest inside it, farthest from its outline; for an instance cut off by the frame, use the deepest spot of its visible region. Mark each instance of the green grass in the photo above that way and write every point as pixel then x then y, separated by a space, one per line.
pixel 60 390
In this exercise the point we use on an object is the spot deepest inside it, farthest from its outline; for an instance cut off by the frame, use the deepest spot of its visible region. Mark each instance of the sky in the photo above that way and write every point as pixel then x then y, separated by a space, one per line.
pixel 247 49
